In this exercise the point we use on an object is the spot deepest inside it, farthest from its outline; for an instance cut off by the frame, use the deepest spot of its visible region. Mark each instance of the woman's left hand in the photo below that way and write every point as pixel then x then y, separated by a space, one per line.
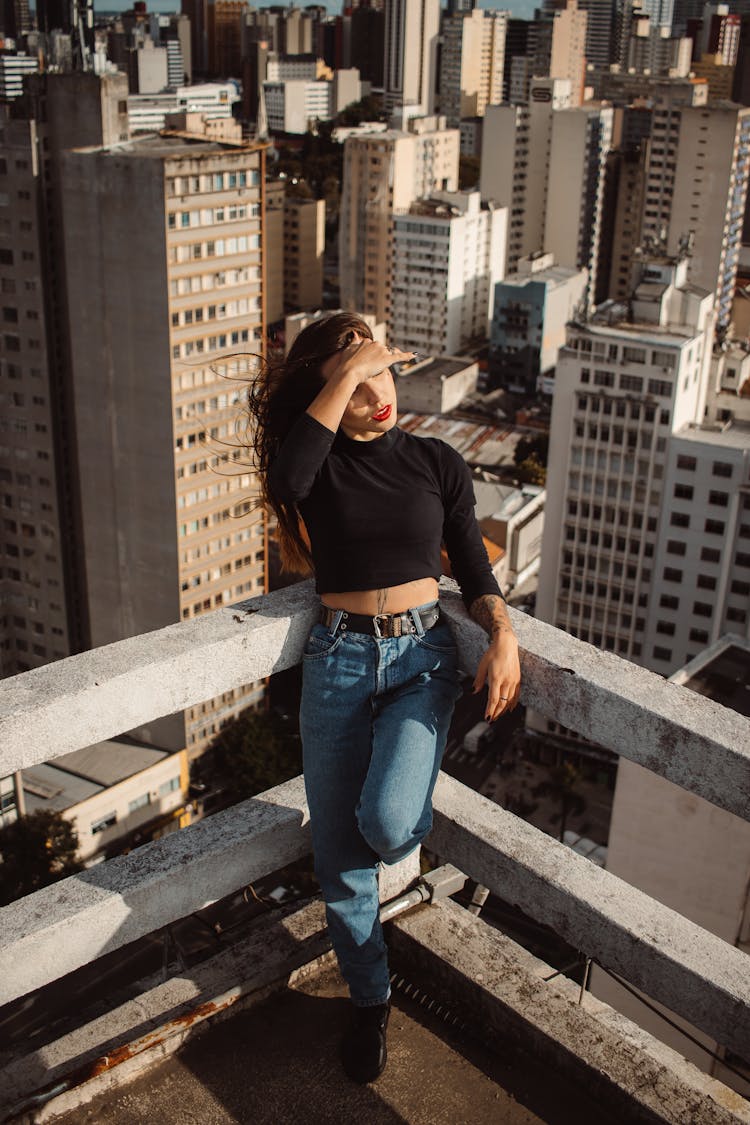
pixel 500 669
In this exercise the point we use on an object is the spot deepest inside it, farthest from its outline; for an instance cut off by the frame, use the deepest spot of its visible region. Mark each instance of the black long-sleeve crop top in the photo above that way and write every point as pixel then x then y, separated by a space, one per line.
pixel 377 511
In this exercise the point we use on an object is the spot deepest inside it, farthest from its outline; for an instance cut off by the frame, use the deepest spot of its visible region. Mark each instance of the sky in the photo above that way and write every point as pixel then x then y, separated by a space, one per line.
pixel 523 9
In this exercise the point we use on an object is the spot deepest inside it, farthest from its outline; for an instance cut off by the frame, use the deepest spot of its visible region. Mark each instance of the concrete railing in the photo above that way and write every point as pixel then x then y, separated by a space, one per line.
pixel 669 729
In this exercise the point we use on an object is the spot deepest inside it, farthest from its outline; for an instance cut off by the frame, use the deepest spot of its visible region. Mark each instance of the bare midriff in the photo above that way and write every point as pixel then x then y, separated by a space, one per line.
pixel 392 599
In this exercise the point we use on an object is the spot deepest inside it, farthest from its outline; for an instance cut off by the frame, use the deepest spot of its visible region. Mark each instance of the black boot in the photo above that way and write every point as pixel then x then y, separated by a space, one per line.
pixel 363 1050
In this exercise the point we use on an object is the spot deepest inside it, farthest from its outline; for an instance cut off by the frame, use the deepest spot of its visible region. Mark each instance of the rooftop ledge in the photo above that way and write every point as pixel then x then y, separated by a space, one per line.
pixel 664 727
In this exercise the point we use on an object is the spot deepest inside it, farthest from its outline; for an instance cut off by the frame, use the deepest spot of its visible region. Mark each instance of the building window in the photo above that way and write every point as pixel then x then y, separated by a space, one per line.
pixel 662 654
pixel 103 823
pixel 737 615
pixel 710 554
pixel 675 547
pixel 705 582
pixel 139 803
pixel 671 574
pixel 679 519
pixel 168 787
pixel 668 601
pixel 685 462
pixel 684 491
pixel 722 469
pixel 742 588
pixel 721 499
pixel 714 527
pixel 666 627
pixel 699 635
pixel 702 609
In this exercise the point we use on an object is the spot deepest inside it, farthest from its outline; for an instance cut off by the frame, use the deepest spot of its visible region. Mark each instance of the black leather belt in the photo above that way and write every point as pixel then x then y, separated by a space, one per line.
pixel 383 624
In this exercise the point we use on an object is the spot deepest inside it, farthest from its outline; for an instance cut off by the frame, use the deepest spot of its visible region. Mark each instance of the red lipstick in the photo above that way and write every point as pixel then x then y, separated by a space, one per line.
pixel 383 414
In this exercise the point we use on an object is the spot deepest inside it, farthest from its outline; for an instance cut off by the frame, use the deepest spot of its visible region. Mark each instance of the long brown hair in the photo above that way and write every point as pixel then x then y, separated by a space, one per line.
pixel 280 393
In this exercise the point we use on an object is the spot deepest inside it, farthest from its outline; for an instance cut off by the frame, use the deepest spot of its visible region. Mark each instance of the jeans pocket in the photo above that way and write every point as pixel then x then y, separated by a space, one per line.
pixel 320 642
pixel 438 639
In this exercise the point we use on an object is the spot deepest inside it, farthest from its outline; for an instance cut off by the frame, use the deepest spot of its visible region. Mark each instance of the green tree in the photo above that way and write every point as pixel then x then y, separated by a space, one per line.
pixel 255 752
pixel 537 446
pixel 36 850
pixel 531 471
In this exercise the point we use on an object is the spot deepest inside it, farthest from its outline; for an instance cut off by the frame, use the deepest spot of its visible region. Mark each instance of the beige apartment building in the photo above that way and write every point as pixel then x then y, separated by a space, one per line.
pixel 561 46
pixel 164 248
pixel 472 61
pixel 295 246
pixel 385 173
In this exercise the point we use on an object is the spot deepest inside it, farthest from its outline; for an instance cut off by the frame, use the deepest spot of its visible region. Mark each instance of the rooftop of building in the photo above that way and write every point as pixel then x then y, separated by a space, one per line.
pixel 477 442
pixel 550 275
pixel 721 672
pixel 435 367
pixel 501 501
pixel 83 773
pixel 734 434
pixel 482 1030
pixel 162 145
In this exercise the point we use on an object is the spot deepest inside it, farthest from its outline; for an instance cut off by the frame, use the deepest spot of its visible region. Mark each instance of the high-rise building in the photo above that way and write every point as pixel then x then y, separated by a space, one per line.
pixel 519 39
pixel 225 23
pixel 385 173
pixel 119 514
pixel 708 193
pixel 171 304
pixel 547 162
pixel 412 30
pixel 43 614
pixel 560 47
pixel 600 31
pixel 13 70
pixel 448 255
pixel 472 63
pixel 295 241
pixel 532 308
pixel 623 389
pixel 580 142
pixel 741 86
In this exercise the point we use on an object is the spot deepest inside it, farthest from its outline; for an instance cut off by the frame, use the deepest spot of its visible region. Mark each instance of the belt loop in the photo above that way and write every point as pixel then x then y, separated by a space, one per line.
pixel 414 614
pixel 336 620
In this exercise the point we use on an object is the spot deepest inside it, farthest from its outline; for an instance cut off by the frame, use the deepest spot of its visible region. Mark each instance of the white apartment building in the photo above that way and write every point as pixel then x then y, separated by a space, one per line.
pixel 148 113
pixel 412 30
pixel 622 390
pixel 702 556
pixel 448 255
pixel 168 306
pixel 384 173
pixel 516 148
pixel 472 61
pixel 294 105
pixel 13 70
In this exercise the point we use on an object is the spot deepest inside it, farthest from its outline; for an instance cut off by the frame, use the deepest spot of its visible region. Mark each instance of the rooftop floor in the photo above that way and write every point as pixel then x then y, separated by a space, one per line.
pixel 278 1062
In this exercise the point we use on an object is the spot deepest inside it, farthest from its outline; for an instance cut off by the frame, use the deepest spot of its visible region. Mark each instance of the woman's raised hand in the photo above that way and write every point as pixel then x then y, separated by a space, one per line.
pixel 362 360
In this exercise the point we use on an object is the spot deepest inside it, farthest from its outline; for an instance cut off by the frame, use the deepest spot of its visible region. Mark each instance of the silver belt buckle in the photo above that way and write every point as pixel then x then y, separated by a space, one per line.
pixel 376 622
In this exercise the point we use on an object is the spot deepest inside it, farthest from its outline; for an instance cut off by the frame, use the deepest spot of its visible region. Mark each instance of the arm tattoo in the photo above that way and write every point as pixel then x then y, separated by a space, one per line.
pixel 382 598
pixel 491 613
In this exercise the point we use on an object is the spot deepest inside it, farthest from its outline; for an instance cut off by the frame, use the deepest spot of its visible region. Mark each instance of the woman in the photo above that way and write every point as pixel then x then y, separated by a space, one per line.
pixel 380 673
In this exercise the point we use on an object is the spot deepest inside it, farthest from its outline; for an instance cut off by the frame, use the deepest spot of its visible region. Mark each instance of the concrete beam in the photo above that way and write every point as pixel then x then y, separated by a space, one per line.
pixel 113 1047
pixel 500 989
pixel 691 971
pixel 667 728
pixel 96 695
pixel 70 923
pixel 671 730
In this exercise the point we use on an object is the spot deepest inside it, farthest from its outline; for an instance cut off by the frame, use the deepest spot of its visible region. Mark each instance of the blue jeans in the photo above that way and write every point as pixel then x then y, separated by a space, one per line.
pixel 374 720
